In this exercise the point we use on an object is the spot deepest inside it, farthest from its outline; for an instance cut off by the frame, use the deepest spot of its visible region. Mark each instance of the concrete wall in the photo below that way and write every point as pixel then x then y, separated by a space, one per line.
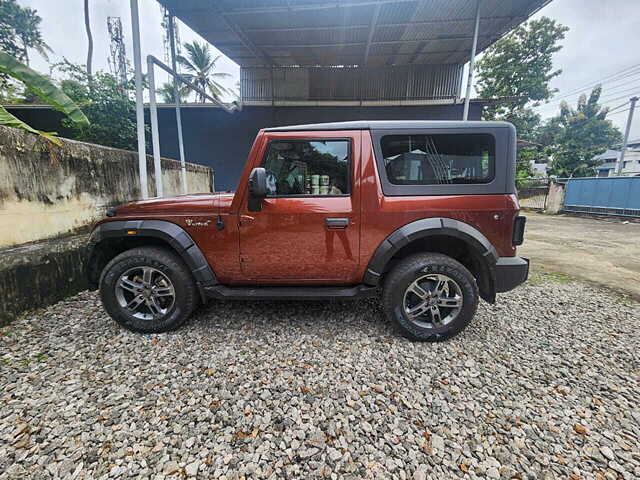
pixel 37 274
pixel 49 197
pixel 48 191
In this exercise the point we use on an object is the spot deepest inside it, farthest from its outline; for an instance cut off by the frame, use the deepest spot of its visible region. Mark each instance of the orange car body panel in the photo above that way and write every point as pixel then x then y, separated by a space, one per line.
pixel 287 242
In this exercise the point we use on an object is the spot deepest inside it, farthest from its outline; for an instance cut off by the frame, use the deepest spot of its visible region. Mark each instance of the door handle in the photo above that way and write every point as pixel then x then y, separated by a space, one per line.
pixel 246 219
pixel 336 222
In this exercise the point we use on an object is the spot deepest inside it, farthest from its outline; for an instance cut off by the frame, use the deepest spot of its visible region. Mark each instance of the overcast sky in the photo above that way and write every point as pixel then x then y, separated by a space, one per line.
pixel 604 38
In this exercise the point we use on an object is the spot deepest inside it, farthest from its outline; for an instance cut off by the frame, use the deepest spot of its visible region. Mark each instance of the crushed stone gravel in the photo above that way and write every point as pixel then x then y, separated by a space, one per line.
pixel 543 385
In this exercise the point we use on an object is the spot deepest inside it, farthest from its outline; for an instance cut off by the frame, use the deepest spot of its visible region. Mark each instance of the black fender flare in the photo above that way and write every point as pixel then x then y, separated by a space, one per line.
pixel 484 251
pixel 169 232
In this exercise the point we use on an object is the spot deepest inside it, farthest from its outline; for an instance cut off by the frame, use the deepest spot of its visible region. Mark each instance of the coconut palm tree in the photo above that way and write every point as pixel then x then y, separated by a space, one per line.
pixel 166 92
pixel 28 30
pixel 201 65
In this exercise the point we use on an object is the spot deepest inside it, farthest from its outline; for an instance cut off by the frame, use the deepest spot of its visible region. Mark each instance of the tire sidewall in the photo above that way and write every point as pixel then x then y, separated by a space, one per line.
pixel 418 269
pixel 118 267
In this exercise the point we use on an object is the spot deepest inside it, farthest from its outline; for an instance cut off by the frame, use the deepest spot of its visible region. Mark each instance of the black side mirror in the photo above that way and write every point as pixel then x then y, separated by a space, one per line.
pixel 257 188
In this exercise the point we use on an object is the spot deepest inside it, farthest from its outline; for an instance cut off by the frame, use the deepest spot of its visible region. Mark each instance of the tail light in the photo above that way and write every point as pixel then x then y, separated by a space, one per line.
pixel 518 230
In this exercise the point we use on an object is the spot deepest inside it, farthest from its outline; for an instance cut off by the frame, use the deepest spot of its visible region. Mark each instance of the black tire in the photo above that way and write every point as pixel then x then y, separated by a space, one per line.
pixel 423 267
pixel 184 298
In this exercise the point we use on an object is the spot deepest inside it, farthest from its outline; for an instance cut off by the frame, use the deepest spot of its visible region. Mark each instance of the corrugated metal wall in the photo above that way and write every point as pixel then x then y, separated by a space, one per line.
pixel 402 82
pixel 605 196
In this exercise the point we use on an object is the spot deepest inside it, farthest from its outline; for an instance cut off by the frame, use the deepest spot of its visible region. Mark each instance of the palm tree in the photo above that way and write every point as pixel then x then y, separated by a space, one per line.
pixel 201 64
pixel 166 92
pixel 27 26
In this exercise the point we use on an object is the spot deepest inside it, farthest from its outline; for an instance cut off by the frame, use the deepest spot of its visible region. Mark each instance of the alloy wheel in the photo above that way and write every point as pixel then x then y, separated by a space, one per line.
pixel 432 301
pixel 145 293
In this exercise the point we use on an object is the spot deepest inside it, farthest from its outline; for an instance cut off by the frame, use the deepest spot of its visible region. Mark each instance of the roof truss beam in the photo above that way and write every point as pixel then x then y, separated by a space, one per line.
pixel 246 41
pixel 365 25
pixel 359 44
pixel 310 6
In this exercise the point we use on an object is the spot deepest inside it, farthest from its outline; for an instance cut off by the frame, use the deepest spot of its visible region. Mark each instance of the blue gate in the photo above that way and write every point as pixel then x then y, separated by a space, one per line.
pixel 603 196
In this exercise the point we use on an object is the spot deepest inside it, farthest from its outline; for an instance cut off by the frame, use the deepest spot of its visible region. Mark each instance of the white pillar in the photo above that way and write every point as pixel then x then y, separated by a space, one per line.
pixel 155 136
pixel 137 65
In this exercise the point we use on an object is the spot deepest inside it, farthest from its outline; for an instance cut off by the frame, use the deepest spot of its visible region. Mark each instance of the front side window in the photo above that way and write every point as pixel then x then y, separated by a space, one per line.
pixel 307 167
pixel 439 158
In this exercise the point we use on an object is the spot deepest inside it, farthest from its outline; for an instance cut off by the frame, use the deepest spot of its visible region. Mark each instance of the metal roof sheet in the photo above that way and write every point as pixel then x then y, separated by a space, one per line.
pixel 349 32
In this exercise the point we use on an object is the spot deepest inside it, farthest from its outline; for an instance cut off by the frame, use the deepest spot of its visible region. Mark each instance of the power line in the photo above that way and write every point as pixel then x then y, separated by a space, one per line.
pixel 632 91
pixel 621 111
pixel 632 70
pixel 559 100
pixel 608 100
pixel 615 108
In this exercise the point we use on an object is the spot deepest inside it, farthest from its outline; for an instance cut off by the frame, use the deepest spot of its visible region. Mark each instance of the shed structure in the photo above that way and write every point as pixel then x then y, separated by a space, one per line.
pixel 373 51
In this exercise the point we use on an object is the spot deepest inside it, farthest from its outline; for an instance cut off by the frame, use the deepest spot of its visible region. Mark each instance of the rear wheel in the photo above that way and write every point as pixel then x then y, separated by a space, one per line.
pixel 148 290
pixel 430 296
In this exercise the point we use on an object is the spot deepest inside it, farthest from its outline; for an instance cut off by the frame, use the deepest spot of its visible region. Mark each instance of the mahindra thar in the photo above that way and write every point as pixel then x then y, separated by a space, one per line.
pixel 422 213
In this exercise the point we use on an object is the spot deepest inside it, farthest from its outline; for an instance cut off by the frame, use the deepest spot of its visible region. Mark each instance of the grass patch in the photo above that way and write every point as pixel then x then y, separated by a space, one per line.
pixel 538 276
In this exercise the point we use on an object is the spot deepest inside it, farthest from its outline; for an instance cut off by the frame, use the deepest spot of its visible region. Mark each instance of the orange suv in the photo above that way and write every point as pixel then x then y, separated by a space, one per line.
pixel 424 213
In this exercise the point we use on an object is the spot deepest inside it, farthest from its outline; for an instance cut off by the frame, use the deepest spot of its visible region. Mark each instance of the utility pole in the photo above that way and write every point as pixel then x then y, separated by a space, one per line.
pixel 626 135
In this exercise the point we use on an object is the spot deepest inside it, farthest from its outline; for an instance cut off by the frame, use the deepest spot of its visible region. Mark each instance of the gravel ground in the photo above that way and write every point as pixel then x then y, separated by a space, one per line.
pixel 543 385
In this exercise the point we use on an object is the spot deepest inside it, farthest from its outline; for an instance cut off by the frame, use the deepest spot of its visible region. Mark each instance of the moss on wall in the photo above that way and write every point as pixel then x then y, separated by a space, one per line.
pixel 46 191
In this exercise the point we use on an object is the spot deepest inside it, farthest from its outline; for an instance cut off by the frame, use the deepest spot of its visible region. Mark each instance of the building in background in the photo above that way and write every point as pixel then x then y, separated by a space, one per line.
pixel 608 161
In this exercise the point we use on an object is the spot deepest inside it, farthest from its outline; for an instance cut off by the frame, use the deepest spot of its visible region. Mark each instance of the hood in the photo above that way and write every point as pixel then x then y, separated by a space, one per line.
pixel 192 203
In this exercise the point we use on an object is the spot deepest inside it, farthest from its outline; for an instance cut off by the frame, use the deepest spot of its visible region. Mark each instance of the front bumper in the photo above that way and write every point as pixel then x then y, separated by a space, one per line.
pixel 510 272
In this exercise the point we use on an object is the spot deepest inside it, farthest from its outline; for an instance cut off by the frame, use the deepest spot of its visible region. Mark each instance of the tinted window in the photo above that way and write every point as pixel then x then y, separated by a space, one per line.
pixel 307 167
pixel 439 159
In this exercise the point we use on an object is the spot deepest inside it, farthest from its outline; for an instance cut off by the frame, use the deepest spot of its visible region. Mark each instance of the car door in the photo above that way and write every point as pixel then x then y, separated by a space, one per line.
pixel 308 227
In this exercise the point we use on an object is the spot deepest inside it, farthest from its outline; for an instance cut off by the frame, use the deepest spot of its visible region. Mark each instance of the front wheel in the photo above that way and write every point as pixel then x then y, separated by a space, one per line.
pixel 148 290
pixel 430 296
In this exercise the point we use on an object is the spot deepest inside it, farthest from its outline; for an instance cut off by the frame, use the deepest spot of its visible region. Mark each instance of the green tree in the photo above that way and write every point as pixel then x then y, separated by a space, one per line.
pixel 201 65
pixel 520 66
pixel 108 105
pixel 45 90
pixel 166 92
pixel 20 30
pixel 580 134
pixel 548 131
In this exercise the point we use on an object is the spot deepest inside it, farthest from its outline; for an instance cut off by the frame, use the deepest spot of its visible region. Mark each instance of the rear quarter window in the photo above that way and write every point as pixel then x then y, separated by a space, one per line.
pixel 459 159
pixel 435 159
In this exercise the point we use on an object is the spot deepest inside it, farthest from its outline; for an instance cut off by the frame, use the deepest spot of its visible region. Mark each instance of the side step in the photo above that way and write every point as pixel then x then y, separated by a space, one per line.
pixel 290 293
